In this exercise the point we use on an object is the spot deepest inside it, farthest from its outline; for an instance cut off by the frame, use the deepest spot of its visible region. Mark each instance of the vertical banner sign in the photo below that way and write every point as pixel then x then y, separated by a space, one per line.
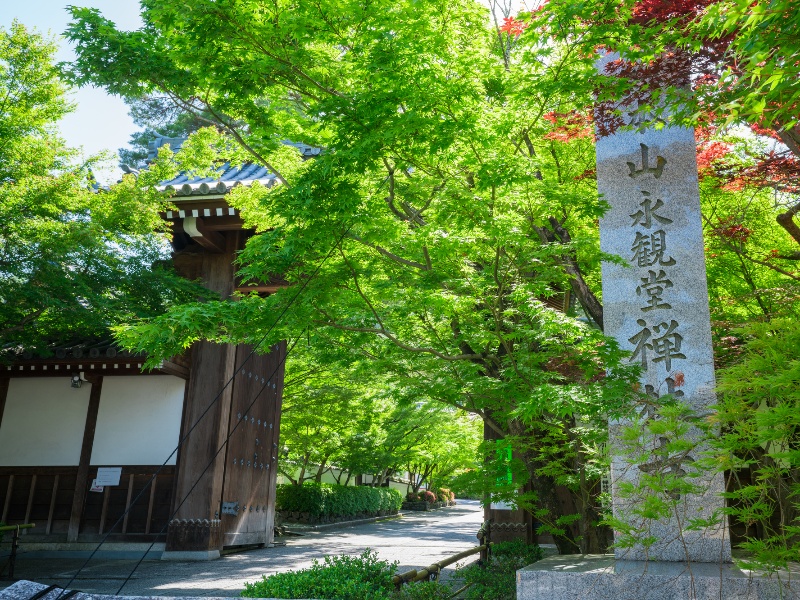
pixel 504 454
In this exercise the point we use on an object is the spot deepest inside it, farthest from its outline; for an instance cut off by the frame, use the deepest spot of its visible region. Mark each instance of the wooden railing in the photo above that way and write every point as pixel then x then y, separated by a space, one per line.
pixel 45 495
pixel 432 571
pixel 12 559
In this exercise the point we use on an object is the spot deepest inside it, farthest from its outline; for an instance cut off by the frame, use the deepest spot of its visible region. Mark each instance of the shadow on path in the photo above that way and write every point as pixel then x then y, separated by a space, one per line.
pixel 414 541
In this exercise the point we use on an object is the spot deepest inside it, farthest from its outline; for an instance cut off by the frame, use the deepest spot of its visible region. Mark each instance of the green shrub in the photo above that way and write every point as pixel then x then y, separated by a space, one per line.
pixel 301 498
pixel 497 580
pixel 423 590
pixel 391 499
pixel 324 499
pixel 337 578
pixel 422 496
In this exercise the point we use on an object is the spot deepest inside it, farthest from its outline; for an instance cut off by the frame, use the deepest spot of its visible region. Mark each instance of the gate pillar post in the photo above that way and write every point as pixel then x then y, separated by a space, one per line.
pixel 194 531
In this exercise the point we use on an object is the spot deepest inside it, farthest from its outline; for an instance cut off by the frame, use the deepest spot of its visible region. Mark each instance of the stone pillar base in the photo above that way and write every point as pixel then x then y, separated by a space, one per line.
pixel 601 577
pixel 200 537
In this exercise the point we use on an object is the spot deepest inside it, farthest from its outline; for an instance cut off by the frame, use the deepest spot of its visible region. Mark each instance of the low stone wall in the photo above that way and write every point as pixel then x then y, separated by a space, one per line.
pixel 286 517
pixel 426 506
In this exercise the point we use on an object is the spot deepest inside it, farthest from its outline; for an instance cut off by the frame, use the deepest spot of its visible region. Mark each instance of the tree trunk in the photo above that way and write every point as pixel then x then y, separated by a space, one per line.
pixel 583 536
pixel 301 477
pixel 321 470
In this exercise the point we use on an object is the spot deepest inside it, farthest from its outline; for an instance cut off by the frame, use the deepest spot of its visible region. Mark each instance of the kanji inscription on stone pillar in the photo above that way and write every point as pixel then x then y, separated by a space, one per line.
pixel 657 308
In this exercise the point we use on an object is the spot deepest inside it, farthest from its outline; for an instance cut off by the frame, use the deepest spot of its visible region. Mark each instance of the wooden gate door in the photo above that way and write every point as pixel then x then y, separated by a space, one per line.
pixel 248 490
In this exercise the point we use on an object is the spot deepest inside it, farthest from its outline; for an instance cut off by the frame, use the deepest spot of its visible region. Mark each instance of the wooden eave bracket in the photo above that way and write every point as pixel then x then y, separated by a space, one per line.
pixel 208 239
pixel 171 368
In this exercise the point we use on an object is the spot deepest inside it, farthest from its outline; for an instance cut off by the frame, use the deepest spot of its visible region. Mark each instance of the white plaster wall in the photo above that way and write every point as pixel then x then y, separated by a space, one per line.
pixel 43 422
pixel 139 420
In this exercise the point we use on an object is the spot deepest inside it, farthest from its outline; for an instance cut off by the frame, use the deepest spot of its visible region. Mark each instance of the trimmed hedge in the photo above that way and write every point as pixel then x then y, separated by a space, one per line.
pixel 330 500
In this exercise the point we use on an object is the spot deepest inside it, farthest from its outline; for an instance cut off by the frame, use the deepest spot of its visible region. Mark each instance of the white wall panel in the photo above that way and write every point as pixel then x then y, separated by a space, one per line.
pixel 43 422
pixel 139 420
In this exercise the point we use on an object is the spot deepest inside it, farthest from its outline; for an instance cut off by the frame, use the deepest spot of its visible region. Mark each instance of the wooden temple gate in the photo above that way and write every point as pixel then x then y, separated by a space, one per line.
pixel 248 490
pixel 221 489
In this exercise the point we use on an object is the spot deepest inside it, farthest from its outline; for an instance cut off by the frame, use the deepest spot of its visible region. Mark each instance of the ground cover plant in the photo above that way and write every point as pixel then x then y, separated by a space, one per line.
pixel 498 579
pixel 364 576
pixel 335 578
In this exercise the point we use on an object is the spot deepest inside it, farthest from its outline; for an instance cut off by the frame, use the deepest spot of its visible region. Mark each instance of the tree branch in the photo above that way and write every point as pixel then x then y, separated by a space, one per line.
pixel 585 296
pixel 786 220
pixel 398 259
pixel 381 331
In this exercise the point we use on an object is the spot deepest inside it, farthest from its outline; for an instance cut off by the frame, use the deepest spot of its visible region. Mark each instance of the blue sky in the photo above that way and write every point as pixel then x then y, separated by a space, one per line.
pixel 100 122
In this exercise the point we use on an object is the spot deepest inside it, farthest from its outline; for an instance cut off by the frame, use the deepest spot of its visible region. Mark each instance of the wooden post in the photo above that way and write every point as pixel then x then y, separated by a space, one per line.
pixel 53 497
pixel 4 383
pixel 82 479
pixel 150 504
pixel 199 475
pixel 127 504
pixel 104 511
pixel 29 506
pixel 7 503
pixel 279 360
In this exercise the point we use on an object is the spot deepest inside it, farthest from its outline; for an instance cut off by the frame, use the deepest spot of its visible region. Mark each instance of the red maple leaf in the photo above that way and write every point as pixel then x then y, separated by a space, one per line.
pixel 512 26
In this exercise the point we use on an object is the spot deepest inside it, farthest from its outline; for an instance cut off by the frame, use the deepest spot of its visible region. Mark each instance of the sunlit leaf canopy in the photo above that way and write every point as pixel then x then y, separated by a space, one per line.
pixel 75 259
pixel 455 192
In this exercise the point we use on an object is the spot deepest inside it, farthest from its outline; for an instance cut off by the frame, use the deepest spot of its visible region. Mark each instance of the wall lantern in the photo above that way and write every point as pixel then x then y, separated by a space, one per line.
pixel 76 381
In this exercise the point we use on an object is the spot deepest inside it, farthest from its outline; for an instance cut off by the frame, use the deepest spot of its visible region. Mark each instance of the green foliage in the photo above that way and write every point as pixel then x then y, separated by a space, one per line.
pixel 498 579
pixel 454 199
pixel 338 416
pixel 74 259
pixel 759 417
pixel 345 578
pixel 308 498
pixel 751 440
pixel 748 275
pixel 364 576
pixel 336 578
pixel 327 500
pixel 423 590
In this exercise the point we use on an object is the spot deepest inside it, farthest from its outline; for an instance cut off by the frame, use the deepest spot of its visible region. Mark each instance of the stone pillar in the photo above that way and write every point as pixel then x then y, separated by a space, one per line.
pixel 656 306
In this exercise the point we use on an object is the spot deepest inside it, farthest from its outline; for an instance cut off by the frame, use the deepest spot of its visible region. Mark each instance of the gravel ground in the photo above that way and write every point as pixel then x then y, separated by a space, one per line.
pixel 413 541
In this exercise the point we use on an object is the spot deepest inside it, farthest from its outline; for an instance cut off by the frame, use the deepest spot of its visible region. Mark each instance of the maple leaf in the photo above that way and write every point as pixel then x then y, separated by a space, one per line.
pixel 512 26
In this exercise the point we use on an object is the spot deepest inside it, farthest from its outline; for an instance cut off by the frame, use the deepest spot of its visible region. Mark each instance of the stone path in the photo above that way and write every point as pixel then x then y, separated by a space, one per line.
pixel 414 541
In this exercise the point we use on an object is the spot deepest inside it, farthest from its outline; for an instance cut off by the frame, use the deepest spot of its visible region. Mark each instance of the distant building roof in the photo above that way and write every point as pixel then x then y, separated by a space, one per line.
pixel 228 175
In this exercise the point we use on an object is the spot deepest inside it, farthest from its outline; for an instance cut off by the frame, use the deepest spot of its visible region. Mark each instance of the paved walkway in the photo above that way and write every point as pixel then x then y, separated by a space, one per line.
pixel 414 541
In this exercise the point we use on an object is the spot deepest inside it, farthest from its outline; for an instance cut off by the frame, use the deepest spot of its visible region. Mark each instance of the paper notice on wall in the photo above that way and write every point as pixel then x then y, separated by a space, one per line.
pixel 95 487
pixel 108 476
